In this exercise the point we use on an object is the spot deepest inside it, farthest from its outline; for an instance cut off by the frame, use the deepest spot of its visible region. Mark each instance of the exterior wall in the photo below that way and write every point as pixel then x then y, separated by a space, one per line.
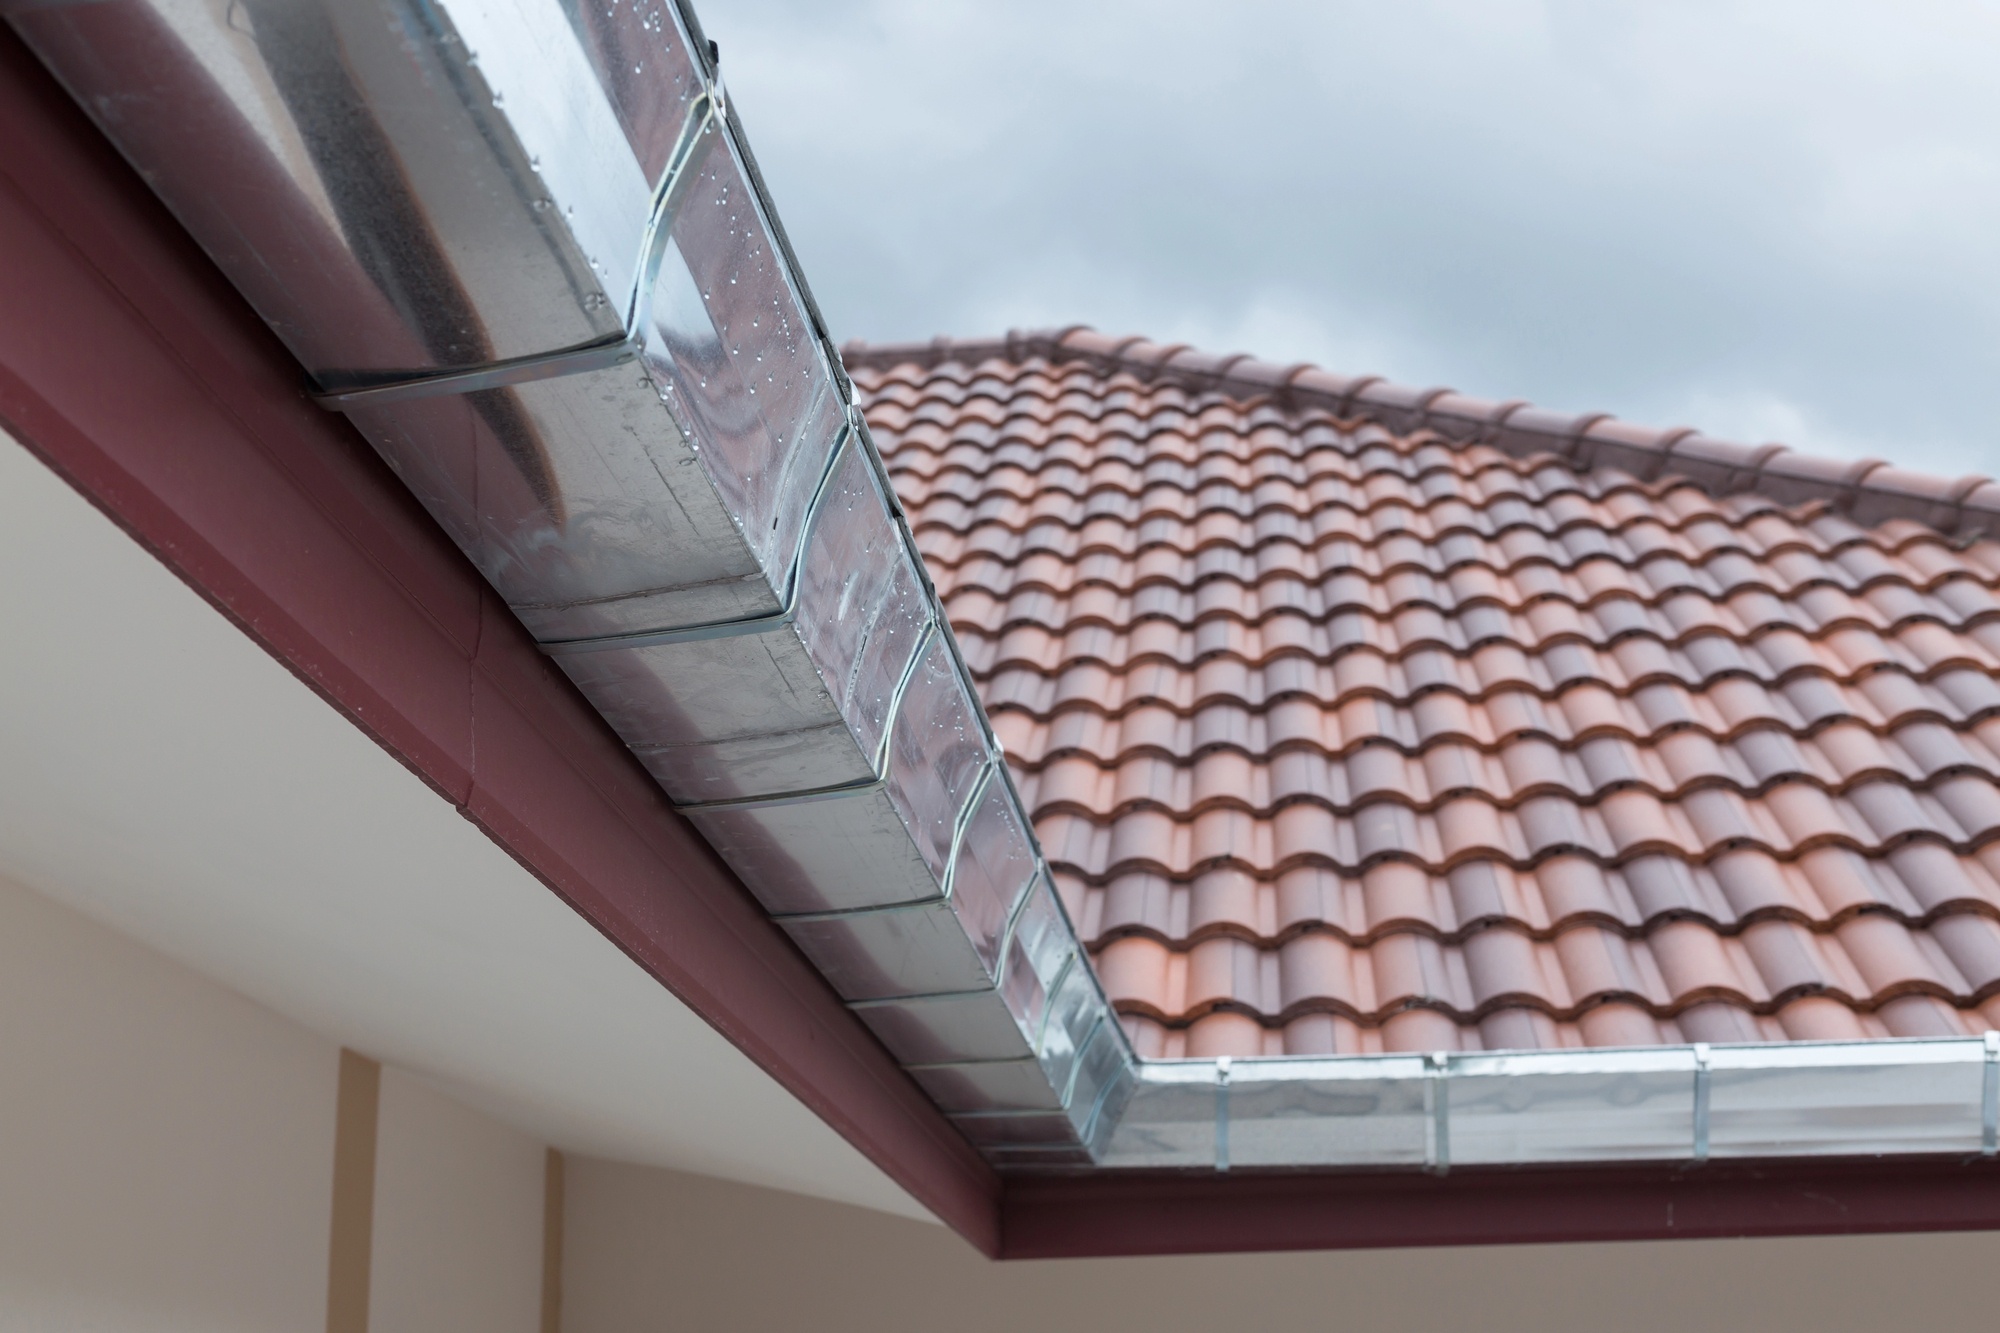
pixel 651 1251
pixel 165 1144
pixel 458 1218
pixel 167 1160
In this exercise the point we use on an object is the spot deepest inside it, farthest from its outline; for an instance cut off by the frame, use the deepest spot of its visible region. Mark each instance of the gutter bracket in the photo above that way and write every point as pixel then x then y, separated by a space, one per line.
pixel 1701 1086
pixel 1222 1113
pixel 1989 1100
pixel 1437 1098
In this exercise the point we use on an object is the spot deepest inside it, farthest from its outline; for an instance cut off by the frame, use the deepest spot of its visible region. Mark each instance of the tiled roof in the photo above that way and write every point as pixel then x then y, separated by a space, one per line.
pixel 1354 718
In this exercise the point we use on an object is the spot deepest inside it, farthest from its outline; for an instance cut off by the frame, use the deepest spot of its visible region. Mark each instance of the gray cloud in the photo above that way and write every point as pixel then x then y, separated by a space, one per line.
pixel 1773 220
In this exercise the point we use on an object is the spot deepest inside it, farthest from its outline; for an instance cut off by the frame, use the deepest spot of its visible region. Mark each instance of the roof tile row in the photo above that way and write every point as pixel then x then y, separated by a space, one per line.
pixel 1914 884
pixel 1841 759
pixel 1788 819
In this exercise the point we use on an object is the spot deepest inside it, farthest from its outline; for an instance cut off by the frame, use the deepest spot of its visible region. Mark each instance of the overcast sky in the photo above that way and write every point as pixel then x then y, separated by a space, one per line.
pixel 1769 220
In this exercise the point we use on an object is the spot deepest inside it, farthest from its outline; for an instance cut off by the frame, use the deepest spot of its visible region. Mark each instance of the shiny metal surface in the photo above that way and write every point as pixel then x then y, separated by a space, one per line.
pixel 890 951
pixel 727 343
pixel 1989 1132
pixel 842 851
pixel 993 868
pixel 961 1025
pixel 1413 1112
pixel 1901 1097
pixel 523 246
pixel 796 699
pixel 1094 1097
pixel 396 187
pixel 974 1085
pixel 1041 949
pixel 575 497
pixel 599 355
pixel 870 942
pixel 937 753
pixel 866 614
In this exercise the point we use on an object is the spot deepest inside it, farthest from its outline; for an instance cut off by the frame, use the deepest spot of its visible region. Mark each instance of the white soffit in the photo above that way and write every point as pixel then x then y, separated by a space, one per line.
pixel 160 773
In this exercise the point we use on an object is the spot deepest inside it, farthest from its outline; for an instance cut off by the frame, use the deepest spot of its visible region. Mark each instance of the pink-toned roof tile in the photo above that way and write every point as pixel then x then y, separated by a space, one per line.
pixel 1354 718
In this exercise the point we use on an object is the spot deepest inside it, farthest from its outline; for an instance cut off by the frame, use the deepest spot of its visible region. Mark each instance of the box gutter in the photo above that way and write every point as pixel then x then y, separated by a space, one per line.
pixel 1677 1104
pixel 522 246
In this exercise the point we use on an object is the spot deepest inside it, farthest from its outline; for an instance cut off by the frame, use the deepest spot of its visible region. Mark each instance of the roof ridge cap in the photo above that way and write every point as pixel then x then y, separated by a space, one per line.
pixel 1868 491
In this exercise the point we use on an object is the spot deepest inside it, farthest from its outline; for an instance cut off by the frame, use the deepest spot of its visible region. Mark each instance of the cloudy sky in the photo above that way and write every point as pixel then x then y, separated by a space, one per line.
pixel 1772 220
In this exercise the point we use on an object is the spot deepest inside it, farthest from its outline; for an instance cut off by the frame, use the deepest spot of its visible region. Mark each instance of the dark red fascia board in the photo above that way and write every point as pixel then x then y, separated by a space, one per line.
pixel 131 366
pixel 134 370
pixel 1050 1217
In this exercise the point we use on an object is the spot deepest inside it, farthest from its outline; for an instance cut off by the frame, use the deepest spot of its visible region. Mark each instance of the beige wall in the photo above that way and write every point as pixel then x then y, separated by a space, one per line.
pixel 167 1157
pixel 458 1218
pixel 165 1144
pixel 652 1250
pixel 167 1160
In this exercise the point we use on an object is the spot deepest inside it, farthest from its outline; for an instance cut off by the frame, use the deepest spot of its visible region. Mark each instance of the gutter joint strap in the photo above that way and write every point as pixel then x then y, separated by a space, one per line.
pixel 1222 1113
pixel 1437 1096
pixel 1701 1079
pixel 1989 1117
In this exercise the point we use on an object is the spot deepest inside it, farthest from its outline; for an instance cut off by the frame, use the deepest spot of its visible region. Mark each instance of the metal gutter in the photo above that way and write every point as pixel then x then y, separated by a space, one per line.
pixel 1682 1104
pixel 133 369
pixel 522 246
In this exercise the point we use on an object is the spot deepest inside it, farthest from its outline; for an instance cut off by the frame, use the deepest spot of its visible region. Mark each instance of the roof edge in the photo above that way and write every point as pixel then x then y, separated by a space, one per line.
pixel 1869 491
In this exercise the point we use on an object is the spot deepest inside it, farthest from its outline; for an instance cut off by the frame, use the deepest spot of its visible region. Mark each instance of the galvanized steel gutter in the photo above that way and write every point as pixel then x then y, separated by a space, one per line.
pixel 523 245
pixel 1689 1104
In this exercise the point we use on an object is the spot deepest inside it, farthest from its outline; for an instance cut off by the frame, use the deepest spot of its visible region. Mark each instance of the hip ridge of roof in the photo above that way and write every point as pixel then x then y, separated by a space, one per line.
pixel 1869 491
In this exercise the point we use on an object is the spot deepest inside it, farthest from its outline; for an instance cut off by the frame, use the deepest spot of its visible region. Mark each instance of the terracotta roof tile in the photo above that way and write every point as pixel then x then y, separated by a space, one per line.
pixel 1359 718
